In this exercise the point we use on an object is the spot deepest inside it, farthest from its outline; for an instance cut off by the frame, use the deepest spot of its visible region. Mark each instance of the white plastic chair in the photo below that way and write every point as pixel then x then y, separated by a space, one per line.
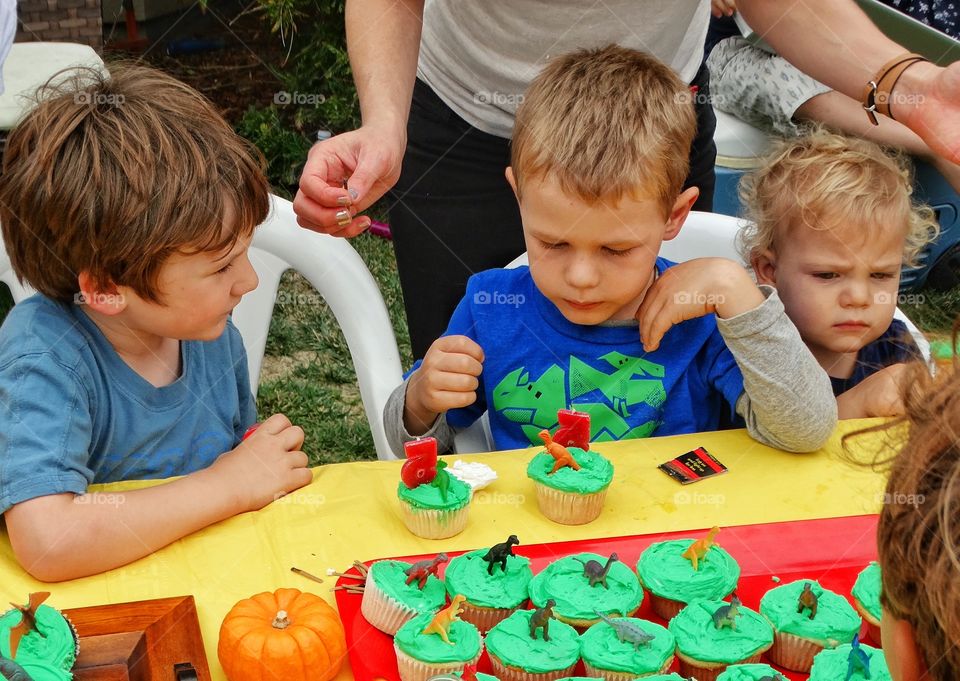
pixel 703 235
pixel 338 273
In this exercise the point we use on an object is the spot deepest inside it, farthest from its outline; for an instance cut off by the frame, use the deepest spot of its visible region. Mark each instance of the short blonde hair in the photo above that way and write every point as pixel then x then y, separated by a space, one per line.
pixel 113 174
pixel 823 179
pixel 606 123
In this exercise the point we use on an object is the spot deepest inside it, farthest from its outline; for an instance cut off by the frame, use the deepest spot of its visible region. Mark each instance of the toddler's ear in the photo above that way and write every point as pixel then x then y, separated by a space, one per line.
pixel 679 212
pixel 765 267
pixel 105 299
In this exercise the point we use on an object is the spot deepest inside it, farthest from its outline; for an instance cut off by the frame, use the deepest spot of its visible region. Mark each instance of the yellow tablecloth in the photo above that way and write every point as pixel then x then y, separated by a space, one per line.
pixel 350 512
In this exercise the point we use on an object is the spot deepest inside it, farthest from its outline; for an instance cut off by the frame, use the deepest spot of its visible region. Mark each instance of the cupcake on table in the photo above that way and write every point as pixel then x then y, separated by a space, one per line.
pixel 806 619
pixel 494 581
pixel 711 635
pixel 866 599
pixel 751 672
pixel 434 503
pixel 395 592
pixel 531 645
pixel 571 480
pixel 679 571
pixel 624 648
pixel 850 662
pixel 37 640
pixel 586 585
pixel 437 643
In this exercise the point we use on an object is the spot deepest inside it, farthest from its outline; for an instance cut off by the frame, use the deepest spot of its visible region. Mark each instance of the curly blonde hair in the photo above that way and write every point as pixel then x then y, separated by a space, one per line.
pixel 824 179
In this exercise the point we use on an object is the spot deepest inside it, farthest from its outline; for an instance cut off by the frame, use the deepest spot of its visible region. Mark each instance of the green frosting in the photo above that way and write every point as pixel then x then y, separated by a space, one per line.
pixel 602 648
pixel 594 475
pixel 563 581
pixel 749 672
pixel 698 637
pixel 46 657
pixel 464 641
pixel 428 497
pixel 467 575
pixel 665 572
pixel 510 642
pixel 665 677
pixel 836 620
pixel 481 676
pixel 389 577
pixel 831 664
pixel 867 589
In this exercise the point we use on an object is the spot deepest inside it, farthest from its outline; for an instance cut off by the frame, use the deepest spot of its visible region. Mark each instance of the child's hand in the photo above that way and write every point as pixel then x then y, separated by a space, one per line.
pixel 446 380
pixel 877 395
pixel 693 289
pixel 266 465
pixel 723 8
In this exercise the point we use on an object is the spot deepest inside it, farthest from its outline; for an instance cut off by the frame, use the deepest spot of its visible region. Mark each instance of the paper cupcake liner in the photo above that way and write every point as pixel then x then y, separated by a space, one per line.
pixel 383 612
pixel 665 608
pixel 609 675
pixel 483 618
pixel 412 669
pixel 569 508
pixel 507 673
pixel 434 524
pixel 873 624
pixel 793 652
pixel 709 671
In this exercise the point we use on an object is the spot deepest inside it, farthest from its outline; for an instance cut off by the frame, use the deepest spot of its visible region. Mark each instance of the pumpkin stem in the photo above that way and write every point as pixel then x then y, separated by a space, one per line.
pixel 281 621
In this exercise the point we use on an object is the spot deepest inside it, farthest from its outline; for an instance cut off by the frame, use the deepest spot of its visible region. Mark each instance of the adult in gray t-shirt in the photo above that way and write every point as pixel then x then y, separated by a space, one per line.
pixel 452 213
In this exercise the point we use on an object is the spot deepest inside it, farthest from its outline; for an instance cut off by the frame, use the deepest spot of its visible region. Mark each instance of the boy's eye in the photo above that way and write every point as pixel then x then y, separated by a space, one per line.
pixel 613 251
pixel 551 246
pixel 883 275
pixel 225 267
pixel 825 275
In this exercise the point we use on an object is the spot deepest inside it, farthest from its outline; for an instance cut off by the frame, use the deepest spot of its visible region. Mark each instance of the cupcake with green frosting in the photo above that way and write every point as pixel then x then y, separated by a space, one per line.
pixel 866 599
pixel 672 581
pixel 712 635
pixel 436 509
pixel 584 585
pixel 751 672
pixel 570 492
pixel 395 592
pixel 664 677
pixel 46 651
pixel 492 593
pixel 517 654
pixel 831 665
pixel 422 651
pixel 801 631
pixel 624 648
pixel 471 674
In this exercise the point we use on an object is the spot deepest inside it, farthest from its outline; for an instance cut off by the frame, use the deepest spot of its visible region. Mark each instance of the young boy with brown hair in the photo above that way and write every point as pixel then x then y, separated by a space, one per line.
pixel 598 322
pixel 832 224
pixel 129 204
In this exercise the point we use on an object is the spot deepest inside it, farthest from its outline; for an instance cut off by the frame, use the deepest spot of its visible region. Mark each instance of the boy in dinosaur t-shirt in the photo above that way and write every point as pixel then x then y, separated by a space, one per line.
pixel 598 322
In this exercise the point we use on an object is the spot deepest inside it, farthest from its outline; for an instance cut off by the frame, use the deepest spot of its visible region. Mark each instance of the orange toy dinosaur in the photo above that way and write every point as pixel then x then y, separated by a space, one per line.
pixel 441 622
pixel 28 621
pixel 560 453
pixel 697 551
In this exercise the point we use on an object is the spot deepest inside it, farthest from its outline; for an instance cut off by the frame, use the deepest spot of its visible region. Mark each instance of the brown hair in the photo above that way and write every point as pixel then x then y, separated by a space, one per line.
pixel 113 174
pixel 919 530
pixel 823 179
pixel 606 122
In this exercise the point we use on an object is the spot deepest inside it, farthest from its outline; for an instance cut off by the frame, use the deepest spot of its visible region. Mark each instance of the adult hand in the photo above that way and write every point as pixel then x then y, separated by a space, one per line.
pixel 368 158
pixel 928 102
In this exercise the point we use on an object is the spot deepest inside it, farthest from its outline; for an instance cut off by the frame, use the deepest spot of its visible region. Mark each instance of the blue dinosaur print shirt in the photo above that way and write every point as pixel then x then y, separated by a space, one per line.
pixel 536 362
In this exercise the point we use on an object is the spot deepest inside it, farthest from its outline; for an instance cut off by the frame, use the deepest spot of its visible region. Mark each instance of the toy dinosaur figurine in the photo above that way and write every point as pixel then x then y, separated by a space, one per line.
pixel 627 631
pixel 29 620
pixel 440 624
pixel 11 671
pixel 561 455
pixel 540 619
pixel 422 569
pixel 808 600
pixel 442 480
pixel 595 572
pixel 499 553
pixel 773 677
pixel 697 551
pixel 858 660
pixel 726 615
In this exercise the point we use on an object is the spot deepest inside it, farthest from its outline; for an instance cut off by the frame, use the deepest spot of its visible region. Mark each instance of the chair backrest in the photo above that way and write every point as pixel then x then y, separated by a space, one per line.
pixel 338 273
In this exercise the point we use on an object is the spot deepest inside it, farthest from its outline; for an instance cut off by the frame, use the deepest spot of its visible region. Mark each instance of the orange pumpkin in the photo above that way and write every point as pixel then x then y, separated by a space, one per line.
pixel 287 635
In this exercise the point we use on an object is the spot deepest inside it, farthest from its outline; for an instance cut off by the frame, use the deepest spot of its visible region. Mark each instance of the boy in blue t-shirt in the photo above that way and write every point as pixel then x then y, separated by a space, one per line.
pixel 833 223
pixel 129 204
pixel 598 322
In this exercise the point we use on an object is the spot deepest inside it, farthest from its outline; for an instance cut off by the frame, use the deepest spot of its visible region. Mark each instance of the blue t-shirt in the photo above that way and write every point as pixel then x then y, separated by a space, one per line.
pixel 896 345
pixel 536 362
pixel 73 413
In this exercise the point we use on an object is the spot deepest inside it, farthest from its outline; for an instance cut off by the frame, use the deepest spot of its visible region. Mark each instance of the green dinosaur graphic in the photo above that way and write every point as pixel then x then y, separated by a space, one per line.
pixel 531 403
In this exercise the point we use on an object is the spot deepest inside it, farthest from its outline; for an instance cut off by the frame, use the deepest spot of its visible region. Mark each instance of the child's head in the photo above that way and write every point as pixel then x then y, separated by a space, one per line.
pixel 129 192
pixel 833 223
pixel 600 154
